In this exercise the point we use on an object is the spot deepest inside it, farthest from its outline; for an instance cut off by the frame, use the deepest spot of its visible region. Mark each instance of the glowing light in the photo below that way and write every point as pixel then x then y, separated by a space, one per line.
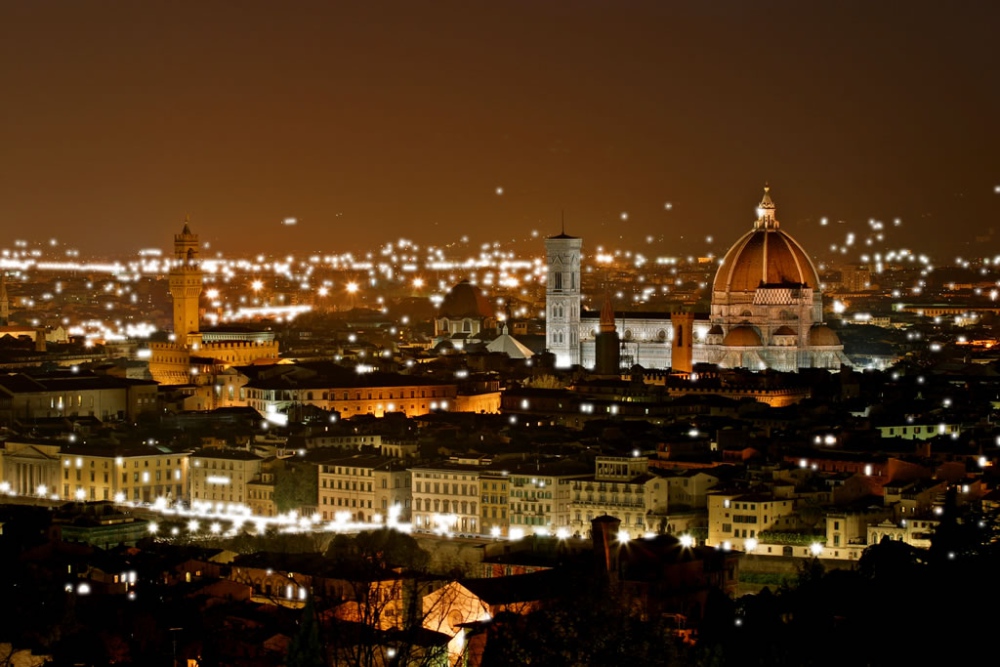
pixel 815 548
pixel 687 541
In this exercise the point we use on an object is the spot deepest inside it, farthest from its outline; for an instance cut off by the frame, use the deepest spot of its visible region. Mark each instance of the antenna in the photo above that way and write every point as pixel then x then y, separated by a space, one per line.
pixel 563 224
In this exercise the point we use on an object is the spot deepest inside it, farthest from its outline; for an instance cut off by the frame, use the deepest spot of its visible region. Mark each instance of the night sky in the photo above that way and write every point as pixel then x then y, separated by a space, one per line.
pixel 367 121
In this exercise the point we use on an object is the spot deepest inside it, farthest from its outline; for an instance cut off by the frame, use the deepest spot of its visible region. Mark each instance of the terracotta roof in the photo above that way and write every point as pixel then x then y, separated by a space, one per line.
pixel 742 336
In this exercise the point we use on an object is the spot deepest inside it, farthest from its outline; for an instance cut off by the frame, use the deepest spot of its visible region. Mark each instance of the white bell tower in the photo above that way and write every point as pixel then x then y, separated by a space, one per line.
pixel 562 299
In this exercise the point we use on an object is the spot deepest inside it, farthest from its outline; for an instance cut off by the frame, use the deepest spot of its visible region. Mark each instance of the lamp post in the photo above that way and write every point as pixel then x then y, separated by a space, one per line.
pixel 173 635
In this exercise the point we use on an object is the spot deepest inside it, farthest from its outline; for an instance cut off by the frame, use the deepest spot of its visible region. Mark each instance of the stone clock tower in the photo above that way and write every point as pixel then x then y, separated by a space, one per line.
pixel 185 287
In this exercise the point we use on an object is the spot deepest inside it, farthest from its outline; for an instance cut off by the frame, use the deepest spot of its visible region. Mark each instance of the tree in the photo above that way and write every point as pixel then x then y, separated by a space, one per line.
pixel 305 649
pixel 295 486
pixel 586 625
pixel 376 551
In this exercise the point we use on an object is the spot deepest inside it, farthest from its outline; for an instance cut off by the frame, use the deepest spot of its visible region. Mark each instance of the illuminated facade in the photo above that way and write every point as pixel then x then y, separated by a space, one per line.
pixel 260 490
pixel 364 487
pixel 540 496
pixel 618 488
pixel 494 502
pixel 135 474
pixel 562 299
pixel 736 520
pixel 446 498
pixel 185 287
pixel 347 392
pixel 766 312
pixel 30 468
pixel 223 475
pixel 193 357
pixel 24 397
pixel 767 308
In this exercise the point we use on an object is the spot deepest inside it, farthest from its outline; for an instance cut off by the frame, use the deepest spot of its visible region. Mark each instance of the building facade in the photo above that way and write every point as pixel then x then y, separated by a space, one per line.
pixel 143 473
pixel 562 299
pixel 446 498
pixel 364 488
pixel 766 311
pixel 223 475
pixel 191 358
pixel 618 489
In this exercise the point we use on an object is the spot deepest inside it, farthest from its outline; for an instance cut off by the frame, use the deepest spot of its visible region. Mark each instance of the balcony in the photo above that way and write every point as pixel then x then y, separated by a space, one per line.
pixel 598 503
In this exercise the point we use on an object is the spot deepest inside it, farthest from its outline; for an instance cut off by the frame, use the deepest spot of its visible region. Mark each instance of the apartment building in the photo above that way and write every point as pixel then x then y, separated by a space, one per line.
pixel 223 475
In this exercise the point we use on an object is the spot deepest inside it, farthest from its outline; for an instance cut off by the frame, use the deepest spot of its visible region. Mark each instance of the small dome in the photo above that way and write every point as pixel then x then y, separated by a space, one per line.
pixel 716 330
pixel 742 336
pixel 466 300
pixel 785 331
pixel 823 336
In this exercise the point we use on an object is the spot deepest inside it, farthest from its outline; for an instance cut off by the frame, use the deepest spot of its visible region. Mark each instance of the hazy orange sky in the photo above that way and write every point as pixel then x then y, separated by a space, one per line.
pixel 372 120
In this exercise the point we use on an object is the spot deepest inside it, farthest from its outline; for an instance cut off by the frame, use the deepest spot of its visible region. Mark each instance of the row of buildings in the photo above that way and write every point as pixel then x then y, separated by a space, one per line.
pixel 834 504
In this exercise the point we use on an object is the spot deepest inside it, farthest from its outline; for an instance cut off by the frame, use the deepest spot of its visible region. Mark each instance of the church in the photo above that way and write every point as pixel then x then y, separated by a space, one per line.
pixel 766 311
pixel 191 352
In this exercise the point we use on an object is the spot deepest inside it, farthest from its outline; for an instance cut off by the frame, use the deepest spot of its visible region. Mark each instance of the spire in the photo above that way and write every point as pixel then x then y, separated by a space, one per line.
pixel 765 211
pixel 562 225
pixel 607 315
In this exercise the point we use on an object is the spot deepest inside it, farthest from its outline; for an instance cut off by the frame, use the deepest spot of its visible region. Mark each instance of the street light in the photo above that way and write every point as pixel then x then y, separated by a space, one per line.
pixel 352 290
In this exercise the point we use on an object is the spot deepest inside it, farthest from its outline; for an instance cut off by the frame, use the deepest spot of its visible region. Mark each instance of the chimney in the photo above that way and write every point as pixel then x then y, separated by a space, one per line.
pixel 604 536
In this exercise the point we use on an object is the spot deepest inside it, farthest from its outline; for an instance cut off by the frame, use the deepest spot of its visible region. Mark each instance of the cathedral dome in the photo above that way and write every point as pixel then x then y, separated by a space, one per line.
pixel 742 336
pixel 765 257
pixel 823 336
pixel 466 300
pixel 785 331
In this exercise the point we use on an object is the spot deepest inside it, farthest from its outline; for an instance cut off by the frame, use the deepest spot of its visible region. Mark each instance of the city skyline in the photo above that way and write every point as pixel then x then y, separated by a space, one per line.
pixel 364 124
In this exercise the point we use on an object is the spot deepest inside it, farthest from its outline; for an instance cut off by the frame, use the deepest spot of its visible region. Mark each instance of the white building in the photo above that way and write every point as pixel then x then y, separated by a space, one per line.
pixel 766 312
